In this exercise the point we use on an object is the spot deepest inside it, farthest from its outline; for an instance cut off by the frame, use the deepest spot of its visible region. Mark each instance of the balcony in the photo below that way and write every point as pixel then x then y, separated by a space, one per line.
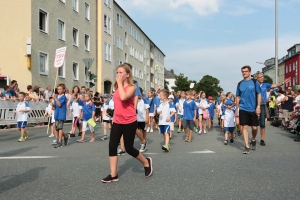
pixel 151 55
pixel 152 85
pixel 152 70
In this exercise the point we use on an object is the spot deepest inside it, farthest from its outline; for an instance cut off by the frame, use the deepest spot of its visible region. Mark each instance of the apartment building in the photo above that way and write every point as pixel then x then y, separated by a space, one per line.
pixel 132 45
pixel 34 29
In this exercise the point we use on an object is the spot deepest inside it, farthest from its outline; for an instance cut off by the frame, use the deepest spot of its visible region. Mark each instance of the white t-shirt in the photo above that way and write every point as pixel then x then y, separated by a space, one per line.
pixel 279 98
pixel 180 105
pixel 167 109
pixel 111 104
pixel 297 98
pixel 105 107
pixel 49 109
pixel 204 103
pixel 141 110
pixel 22 116
pixel 229 118
pixel 75 107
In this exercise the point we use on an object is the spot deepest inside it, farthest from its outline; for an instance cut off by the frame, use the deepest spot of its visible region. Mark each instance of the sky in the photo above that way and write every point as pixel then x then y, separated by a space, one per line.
pixel 216 37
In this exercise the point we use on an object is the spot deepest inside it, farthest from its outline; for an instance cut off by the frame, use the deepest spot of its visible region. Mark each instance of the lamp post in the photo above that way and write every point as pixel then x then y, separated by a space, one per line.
pixel 276 41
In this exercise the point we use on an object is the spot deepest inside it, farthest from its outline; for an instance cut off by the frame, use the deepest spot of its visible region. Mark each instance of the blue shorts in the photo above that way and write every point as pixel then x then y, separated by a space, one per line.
pixel 229 129
pixel 180 116
pixel 22 124
pixel 164 129
pixel 211 117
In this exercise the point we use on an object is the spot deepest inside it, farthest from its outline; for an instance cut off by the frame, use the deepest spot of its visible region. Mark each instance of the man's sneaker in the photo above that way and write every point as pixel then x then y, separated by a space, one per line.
pixel 149 170
pixel 148 129
pixel 110 179
pixel 253 145
pixel 151 130
pixel 121 152
pixel 143 147
pixel 178 131
pixel 58 145
pixel 26 136
pixel 55 141
pixel 200 132
pixel 21 139
pixel 262 143
pixel 226 142
pixel 104 138
pixel 166 148
pixel 66 140
pixel 246 151
pixel 231 140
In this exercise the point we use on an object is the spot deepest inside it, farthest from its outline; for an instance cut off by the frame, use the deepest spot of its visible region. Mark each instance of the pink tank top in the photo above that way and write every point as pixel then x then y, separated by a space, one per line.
pixel 124 111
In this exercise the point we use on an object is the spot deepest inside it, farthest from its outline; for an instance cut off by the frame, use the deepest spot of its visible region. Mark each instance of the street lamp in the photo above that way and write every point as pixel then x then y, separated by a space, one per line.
pixel 276 41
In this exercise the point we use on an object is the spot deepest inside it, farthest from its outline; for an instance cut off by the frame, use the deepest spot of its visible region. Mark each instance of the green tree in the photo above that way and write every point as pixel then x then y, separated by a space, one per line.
pixel 210 85
pixel 182 83
pixel 267 79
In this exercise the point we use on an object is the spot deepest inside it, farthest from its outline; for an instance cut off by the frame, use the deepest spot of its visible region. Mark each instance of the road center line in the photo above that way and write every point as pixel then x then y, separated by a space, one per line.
pixel 205 151
pixel 26 157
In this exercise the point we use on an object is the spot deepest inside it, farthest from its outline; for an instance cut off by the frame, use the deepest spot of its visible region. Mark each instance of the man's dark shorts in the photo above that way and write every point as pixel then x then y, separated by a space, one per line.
pixel 59 124
pixel 248 118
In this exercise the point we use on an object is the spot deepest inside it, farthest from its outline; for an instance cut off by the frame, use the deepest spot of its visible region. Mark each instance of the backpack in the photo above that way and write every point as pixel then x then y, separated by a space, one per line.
pixel 205 114
pixel 254 81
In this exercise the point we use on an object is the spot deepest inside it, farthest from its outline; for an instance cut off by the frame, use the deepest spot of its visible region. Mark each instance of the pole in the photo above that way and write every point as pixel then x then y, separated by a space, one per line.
pixel 276 41
pixel 53 94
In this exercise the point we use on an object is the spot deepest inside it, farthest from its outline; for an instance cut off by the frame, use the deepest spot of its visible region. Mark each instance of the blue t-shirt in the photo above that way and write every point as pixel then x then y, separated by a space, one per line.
pixel 211 109
pixel 218 100
pixel 172 119
pixel 176 100
pixel 264 87
pixel 12 92
pixel 156 101
pixel 137 90
pixel 189 108
pixel 7 93
pixel 61 112
pixel 151 104
pixel 87 110
pixel 246 92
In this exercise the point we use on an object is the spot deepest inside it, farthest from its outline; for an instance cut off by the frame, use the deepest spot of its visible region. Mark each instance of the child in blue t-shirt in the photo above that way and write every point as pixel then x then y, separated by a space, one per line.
pixel 173 118
pixel 60 104
pixel 88 113
pixel 189 116
pixel 211 110
pixel 228 122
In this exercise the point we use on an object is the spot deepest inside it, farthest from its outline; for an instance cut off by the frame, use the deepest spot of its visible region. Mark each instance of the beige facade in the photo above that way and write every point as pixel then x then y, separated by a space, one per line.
pixel 132 45
pixel 281 65
pixel 48 25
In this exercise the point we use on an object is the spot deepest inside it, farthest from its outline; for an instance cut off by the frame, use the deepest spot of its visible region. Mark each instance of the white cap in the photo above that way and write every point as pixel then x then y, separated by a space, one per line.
pixel 171 97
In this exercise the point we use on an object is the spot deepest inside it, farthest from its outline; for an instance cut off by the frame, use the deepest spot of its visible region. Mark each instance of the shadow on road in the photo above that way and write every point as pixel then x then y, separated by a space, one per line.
pixel 17 151
pixel 19 179
pixel 131 163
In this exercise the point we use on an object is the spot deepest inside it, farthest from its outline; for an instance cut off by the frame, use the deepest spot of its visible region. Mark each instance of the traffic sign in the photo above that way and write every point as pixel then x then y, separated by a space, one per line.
pixel 88 62
pixel 60 55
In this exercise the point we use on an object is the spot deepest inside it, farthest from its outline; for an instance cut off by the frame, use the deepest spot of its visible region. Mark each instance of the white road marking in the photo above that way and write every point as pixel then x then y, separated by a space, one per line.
pixel 151 153
pixel 205 151
pixel 26 157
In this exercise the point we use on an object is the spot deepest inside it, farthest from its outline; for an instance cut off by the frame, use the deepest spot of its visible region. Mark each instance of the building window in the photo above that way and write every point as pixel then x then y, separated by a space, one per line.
pixel 294 80
pixel 119 42
pixel 107 24
pixel 87 11
pixel 75 71
pixel 61 71
pixel 286 69
pixel 75 5
pixel 87 42
pixel 75 37
pixel 61 30
pixel 290 67
pixel 43 63
pixel 119 20
pixel 43 21
pixel 107 2
pixel 126 40
pixel 107 52
pixel 86 74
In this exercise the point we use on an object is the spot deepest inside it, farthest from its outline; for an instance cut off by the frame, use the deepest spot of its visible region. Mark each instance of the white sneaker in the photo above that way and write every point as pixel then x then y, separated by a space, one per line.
pixel 200 132
pixel 204 132
pixel 148 129
pixel 51 135
pixel 143 147
pixel 151 130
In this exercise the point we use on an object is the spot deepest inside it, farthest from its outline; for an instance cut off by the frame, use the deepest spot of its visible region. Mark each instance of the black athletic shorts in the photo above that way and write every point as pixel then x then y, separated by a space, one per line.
pixel 248 118
pixel 59 124
pixel 141 125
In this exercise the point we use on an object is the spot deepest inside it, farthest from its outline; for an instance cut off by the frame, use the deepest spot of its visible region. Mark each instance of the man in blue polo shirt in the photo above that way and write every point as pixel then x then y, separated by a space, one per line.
pixel 264 87
pixel 248 98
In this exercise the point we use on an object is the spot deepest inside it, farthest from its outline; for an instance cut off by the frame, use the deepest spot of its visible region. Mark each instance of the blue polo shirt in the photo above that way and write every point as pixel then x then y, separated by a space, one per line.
pixel 189 108
pixel 61 112
pixel 264 87
pixel 137 90
pixel 88 110
pixel 246 92
pixel 211 109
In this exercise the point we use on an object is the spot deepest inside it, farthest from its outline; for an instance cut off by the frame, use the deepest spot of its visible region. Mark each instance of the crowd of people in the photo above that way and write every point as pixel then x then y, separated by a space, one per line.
pixel 128 112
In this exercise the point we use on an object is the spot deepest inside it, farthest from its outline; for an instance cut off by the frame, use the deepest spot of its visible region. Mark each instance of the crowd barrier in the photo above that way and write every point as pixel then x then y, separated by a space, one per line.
pixel 36 114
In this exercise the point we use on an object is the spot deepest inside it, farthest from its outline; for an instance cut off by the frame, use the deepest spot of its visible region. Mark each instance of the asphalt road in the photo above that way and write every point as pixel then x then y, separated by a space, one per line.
pixel 203 169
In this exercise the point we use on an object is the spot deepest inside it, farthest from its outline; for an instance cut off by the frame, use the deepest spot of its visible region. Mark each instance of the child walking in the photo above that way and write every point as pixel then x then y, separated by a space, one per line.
pixel 228 122
pixel 180 111
pixel 165 110
pixel 49 111
pixel 106 117
pixel 76 110
pixel 173 118
pixel 22 116
pixel 88 113
pixel 189 116
pixel 60 104
pixel 211 109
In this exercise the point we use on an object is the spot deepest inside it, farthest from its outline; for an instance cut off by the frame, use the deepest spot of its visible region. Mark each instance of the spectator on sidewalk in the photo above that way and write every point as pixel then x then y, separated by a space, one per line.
pixel 13 84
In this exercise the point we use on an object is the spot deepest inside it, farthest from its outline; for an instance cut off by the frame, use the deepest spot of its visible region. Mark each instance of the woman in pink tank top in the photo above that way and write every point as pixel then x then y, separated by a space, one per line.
pixel 125 124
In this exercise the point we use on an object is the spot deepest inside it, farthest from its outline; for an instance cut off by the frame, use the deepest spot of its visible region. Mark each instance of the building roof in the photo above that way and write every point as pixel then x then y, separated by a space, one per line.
pixel 138 27
pixel 169 74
